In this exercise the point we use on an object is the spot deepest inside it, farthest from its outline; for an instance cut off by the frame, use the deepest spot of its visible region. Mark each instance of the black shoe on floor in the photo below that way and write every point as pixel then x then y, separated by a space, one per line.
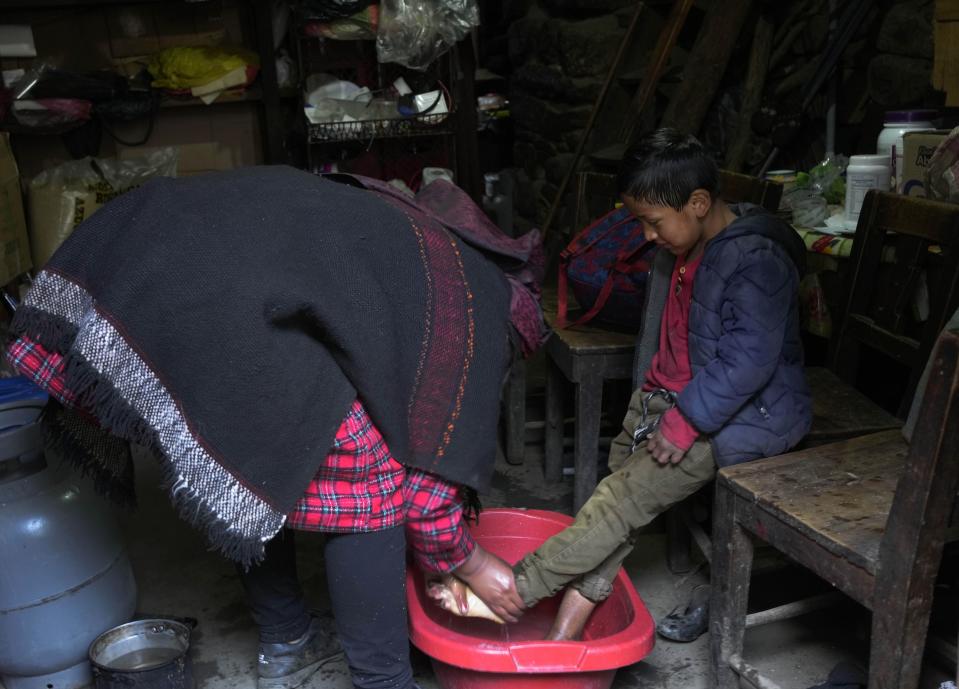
pixel 689 623
pixel 290 665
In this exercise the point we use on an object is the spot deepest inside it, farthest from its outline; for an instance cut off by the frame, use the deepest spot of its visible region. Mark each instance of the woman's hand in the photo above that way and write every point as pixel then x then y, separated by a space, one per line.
pixel 491 578
pixel 662 450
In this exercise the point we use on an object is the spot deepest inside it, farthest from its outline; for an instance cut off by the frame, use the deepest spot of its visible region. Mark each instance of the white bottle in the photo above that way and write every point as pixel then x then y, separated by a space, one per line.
pixel 889 143
pixel 865 172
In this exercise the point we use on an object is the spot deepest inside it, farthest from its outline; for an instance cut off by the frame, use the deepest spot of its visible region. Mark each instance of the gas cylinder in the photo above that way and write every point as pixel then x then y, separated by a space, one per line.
pixel 64 573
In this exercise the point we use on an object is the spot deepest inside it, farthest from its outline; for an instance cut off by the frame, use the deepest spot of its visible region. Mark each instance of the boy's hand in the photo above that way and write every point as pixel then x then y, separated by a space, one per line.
pixel 492 580
pixel 662 450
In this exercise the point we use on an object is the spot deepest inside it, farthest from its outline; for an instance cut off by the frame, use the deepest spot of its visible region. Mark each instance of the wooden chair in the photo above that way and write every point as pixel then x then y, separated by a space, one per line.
pixel 868 515
pixel 898 241
pixel 589 356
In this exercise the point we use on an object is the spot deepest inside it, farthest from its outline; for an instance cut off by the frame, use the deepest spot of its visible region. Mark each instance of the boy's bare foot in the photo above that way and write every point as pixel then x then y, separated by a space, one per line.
pixel 573 614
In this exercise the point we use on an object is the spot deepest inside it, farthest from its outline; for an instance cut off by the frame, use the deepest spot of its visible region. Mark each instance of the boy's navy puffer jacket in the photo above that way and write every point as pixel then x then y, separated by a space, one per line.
pixel 748 393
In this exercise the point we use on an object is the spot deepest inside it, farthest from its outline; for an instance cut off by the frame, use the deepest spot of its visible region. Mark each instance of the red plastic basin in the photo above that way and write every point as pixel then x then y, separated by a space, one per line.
pixel 470 653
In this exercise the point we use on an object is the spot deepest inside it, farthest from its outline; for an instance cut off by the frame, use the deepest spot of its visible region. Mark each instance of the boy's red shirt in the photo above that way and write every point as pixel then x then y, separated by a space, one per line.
pixel 670 367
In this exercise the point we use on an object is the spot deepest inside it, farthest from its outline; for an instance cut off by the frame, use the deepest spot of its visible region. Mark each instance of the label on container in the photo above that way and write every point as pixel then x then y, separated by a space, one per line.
pixel 857 186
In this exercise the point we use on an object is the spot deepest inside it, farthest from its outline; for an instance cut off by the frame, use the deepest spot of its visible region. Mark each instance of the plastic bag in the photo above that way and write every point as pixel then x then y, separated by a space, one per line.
pixel 329 10
pixel 62 197
pixel 51 113
pixel 416 32
pixel 357 27
pixel 808 206
pixel 827 178
pixel 184 68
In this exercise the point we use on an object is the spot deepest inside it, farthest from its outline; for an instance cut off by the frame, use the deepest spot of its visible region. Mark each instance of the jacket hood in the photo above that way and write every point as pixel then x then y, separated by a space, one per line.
pixel 756 220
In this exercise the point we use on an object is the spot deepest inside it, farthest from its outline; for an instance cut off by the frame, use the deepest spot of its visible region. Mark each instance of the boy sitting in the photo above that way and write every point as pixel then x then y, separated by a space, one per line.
pixel 718 370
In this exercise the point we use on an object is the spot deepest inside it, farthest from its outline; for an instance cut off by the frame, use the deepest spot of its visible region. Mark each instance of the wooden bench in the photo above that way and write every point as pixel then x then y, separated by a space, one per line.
pixel 869 515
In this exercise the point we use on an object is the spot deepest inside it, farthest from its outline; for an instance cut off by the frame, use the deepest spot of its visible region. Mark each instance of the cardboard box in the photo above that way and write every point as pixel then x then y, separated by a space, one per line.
pixel 208 138
pixel 918 148
pixel 14 247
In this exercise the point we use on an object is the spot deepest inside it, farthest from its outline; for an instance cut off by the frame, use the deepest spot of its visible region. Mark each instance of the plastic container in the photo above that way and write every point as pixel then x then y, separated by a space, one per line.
pixel 865 172
pixel 471 653
pixel 889 143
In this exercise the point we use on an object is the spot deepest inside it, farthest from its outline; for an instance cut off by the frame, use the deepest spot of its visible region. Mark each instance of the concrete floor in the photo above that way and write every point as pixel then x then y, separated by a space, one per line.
pixel 178 576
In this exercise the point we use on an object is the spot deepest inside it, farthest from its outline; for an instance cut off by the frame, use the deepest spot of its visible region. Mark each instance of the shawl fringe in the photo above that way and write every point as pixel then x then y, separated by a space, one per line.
pixel 106 404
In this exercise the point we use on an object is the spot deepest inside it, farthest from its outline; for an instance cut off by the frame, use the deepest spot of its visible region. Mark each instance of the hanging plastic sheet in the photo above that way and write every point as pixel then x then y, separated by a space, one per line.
pixel 414 33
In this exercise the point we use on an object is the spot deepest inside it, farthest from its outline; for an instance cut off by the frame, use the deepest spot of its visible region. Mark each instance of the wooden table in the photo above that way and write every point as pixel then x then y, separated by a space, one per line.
pixel 586 357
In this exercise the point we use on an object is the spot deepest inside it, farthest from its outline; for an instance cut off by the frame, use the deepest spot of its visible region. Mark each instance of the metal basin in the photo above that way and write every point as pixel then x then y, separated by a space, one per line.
pixel 143 654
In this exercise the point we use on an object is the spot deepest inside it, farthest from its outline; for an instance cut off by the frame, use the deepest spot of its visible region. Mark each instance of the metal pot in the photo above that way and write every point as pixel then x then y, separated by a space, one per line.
pixel 144 654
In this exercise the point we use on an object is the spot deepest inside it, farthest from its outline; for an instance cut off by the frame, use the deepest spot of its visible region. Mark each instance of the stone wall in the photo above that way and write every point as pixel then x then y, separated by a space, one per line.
pixel 901 71
pixel 559 52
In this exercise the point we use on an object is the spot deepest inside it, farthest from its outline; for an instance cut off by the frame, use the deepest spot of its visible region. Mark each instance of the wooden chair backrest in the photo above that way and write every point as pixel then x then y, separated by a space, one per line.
pixel 900 241
pixel 926 492
pixel 738 188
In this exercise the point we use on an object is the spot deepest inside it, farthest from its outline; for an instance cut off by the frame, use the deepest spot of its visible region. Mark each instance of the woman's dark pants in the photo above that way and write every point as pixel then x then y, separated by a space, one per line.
pixel 367 581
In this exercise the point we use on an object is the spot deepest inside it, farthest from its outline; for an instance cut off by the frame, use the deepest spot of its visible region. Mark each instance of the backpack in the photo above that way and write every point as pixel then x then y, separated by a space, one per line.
pixel 606 265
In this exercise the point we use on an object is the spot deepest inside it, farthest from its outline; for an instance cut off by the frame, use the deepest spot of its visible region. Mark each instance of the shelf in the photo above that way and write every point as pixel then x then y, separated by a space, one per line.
pixel 367 130
pixel 252 94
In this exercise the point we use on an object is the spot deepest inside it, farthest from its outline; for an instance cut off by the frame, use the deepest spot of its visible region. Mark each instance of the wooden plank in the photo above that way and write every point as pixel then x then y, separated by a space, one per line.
pixel 466 153
pixel 553 450
pixel 899 347
pixel 654 70
pixel 752 92
pixel 838 570
pixel 707 63
pixel 591 340
pixel 945 71
pixel 586 338
pixel 837 496
pixel 515 403
pixel 934 221
pixel 912 544
pixel 947 10
pixel 839 411
pixel 730 570
pixel 578 364
pixel 589 408
pixel 274 125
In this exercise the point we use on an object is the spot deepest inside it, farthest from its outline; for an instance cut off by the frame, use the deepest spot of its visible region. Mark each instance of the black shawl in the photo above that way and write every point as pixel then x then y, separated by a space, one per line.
pixel 228 321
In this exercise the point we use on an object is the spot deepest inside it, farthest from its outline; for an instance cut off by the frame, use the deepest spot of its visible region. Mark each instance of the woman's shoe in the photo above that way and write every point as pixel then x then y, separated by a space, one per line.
pixel 289 665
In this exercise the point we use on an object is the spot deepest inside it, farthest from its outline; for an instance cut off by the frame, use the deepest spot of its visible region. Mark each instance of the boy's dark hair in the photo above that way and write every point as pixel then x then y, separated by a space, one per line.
pixel 665 167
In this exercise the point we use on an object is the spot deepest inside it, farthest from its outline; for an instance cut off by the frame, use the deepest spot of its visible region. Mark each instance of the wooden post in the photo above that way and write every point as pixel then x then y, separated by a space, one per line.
pixel 945 68
pixel 274 151
pixel 657 65
pixel 706 65
pixel 731 567
pixel 753 92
